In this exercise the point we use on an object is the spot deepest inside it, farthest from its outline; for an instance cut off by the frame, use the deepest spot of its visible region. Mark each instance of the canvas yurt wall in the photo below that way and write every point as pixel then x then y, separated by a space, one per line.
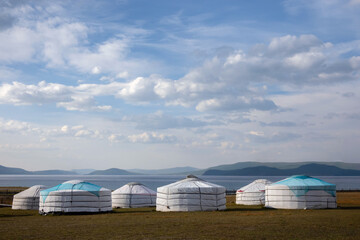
pixel 190 194
pixel 28 199
pixel 253 193
pixel 133 195
pixel 300 192
pixel 75 196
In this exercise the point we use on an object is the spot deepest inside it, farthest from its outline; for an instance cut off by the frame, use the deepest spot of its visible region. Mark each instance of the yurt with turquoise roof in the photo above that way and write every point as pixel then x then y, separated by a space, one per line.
pixel 300 192
pixel 133 195
pixel 28 199
pixel 253 193
pixel 75 196
pixel 190 194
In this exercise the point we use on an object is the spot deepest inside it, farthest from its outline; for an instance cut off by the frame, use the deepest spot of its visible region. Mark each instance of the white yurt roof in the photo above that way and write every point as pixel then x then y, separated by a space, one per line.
pixel 191 194
pixel 191 184
pixel 28 199
pixel 133 195
pixel 256 186
pixel 134 188
pixel 33 191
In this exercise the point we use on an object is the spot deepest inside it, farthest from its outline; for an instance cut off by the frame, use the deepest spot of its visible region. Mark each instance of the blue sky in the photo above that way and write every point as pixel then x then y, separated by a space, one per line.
pixel 157 84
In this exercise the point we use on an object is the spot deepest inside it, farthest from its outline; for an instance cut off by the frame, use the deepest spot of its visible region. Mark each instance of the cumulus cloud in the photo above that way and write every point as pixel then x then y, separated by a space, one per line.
pixel 41 33
pixel 14 126
pixel 228 83
pixel 159 120
pixel 69 97
pixel 83 103
pixel 272 138
pixel 151 137
pixel 239 103
pixel 279 124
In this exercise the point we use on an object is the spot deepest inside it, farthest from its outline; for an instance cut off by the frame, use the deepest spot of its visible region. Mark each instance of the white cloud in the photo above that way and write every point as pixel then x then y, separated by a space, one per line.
pixel 159 120
pixel 240 103
pixel 221 84
pixel 16 126
pixel 18 44
pixel 83 103
pixel 19 93
pixel 273 138
pixel 289 45
pixel 305 60
pixel 96 70
pixel 151 137
pixel 138 90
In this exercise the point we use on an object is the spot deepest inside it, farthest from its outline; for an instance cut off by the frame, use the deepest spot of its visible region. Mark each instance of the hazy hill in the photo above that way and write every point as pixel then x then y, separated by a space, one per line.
pixel 112 171
pixel 312 169
pixel 176 170
pixel 83 171
pixel 279 165
pixel 8 170
pixel 53 172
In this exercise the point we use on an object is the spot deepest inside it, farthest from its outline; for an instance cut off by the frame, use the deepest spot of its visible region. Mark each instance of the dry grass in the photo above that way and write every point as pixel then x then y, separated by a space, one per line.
pixel 348 198
pixel 237 222
pixel 7 193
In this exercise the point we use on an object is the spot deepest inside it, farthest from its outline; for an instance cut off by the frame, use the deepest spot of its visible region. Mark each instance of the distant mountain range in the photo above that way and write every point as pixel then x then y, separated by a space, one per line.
pixel 176 170
pixel 112 171
pixel 312 169
pixel 236 169
pixel 279 165
pixel 8 170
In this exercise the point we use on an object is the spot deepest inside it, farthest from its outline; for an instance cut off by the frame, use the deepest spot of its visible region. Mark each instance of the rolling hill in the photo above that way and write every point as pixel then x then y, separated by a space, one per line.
pixel 165 171
pixel 9 170
pixel 278 165
pixel 312 169
pixel 112 171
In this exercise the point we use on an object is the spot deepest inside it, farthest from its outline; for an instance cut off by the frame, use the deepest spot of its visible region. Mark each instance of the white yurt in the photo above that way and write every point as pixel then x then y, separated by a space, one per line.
pixel 190 194
pixel 28 199
pixel 133 195
pixel 300 192
pixel 75 196
pixel 253 193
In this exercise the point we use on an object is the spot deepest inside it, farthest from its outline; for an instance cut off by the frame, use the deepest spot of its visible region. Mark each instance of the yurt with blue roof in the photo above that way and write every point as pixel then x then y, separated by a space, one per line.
pixel 300 192
pixel 75 196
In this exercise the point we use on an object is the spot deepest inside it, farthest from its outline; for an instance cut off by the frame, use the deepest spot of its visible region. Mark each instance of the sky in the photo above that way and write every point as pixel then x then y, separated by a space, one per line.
pixel 160 84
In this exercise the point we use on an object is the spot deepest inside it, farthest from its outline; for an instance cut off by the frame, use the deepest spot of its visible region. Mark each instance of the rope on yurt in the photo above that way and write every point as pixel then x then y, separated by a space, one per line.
pixel 167 199
pixel 149 194
pixel 217 205
pixel 199 195
pixel 34 198
pixel 99 202
pixel 71 196
pixel 131 187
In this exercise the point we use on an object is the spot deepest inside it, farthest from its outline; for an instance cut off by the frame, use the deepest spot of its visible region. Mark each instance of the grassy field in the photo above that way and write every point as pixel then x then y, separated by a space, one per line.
pixel 237 222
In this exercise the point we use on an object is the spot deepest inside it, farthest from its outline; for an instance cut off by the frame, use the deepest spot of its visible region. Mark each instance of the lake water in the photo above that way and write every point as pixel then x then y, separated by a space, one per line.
pixel 153 181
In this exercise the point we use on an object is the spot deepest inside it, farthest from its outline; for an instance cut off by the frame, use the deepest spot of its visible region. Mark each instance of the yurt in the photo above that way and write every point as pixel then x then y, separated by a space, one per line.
pixel 300 192
pixel 253 193
pixel 133 195
pixel 75 196
pixel 28 199
pixel 190 194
